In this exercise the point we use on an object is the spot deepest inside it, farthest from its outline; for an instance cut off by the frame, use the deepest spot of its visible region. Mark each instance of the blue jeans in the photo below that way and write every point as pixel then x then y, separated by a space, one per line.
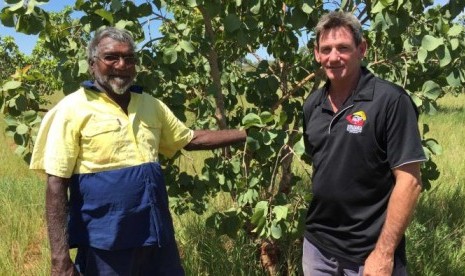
pixel 142 261
pixel 316 262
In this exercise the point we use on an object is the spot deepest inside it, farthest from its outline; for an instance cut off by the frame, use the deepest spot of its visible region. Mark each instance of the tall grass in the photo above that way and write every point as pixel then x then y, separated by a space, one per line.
pixel 436 236
pixel 435 239
pixel 23 246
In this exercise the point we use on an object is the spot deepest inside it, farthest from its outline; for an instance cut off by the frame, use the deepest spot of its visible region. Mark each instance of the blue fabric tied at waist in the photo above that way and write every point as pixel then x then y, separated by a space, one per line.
pixel 120 209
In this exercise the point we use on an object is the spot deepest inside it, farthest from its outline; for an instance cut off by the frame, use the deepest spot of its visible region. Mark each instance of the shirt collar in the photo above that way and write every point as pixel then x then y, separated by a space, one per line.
pixel 90 85
pixel 363 92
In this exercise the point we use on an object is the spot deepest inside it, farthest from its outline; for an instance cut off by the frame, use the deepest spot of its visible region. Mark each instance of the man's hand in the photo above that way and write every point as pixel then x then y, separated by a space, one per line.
pixel 399 212
pixel 378 264
pixel 64 267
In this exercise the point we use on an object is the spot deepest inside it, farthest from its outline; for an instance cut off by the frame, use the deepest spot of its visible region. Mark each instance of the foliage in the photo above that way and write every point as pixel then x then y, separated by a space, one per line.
pixel 202 66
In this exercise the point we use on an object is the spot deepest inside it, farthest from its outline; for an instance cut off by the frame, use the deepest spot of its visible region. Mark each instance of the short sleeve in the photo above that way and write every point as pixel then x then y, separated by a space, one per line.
pixel 403 136
pixel 174 134
pixel 57 144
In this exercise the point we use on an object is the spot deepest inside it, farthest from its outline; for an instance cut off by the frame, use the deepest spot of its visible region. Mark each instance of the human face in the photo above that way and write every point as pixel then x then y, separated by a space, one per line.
pixel 339 56
pixel 114 77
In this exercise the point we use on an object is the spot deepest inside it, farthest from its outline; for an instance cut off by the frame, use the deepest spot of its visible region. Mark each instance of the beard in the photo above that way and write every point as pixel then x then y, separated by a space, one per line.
pixel 118 85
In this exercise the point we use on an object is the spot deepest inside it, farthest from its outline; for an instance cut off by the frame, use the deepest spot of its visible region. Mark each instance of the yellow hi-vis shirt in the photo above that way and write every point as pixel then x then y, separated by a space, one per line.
pixel 87 132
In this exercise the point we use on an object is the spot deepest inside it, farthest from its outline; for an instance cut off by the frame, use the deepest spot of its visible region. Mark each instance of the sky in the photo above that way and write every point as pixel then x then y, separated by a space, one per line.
pixel 26 42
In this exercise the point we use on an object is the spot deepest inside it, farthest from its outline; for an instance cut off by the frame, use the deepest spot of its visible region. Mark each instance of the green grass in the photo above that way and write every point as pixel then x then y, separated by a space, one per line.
pixel 24 249
pixel 435 238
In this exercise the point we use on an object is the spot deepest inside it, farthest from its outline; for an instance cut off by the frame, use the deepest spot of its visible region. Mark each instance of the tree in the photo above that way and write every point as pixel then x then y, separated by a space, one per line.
pixel 206 64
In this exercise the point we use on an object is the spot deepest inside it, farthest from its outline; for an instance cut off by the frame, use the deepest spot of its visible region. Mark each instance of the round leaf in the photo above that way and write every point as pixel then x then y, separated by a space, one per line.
pixel 280 212
pixel 231 23
pixel 186 46
pixel 22 129
pixel 431 90
pixel 252 119
pixel 430 43
pixel 276 231
pixel 10 85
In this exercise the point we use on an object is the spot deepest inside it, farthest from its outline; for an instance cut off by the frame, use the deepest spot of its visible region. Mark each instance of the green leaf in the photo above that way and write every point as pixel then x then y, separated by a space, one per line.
pixel 30 6
pixel 123 24
pixel 280 212
pixel 454 44
pixel 252 143
pixel 431 90
pixel 21 103
pixel 262 205
pixel 11 85
pixel 7 18
pixel 455 30
pixel 433 146
pixel 299 147
pixel 307 7
pixel 170 55
pixel 108 16
pixel 266 117
pixel 282 118
pixel 430 109
pixel 187 46
pixel 276 231
pixel 17 6
pixel 29 24
pixel 192 3
pixel 256 8
pixel 268 137
pixel 252 119
pixel 83 67
pixel 387 3
pixel 444 56
pixel 430 43
pixel 453 79
pixel 378 8
pixel 30 116
pixel 20 150
pixel 144 9
pixel 257 215
pixel 22 129
pixel 116 5
pixel 232 23
pixel 418 102
pixel 422 54
pixel 298 18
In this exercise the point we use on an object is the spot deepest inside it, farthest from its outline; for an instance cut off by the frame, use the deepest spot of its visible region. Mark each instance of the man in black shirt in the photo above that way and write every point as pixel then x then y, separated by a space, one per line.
pixel 362 135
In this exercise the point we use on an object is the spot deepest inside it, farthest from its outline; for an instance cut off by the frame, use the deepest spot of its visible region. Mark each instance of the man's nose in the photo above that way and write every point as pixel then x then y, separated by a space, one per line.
pixel 334 55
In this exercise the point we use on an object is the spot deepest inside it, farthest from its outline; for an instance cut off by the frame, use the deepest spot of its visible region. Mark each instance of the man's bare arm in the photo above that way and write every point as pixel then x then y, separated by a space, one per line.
pixel 56 213
pixel 400 209
pixel 212 139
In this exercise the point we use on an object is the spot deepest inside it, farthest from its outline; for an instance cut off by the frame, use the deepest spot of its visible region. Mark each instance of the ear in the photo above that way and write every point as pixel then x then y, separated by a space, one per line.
pixel 316 53
pixel 362 48
pixel 91 64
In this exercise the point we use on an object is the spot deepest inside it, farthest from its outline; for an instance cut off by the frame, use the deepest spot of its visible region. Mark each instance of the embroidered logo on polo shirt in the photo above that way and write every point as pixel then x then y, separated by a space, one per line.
pixel 356 122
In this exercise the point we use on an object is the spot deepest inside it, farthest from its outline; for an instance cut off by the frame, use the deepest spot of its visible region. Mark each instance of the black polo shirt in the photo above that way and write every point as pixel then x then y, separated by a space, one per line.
pixel 353 153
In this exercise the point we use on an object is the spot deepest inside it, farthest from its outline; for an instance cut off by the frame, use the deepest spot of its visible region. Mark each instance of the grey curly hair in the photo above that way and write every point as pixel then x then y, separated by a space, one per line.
pixel 111 32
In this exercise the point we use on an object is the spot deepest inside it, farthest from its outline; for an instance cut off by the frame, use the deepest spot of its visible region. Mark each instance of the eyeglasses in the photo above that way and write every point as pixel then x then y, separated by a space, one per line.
pixel 114 59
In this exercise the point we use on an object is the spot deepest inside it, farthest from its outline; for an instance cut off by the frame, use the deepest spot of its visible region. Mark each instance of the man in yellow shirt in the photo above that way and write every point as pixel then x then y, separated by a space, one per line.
pixel 102 143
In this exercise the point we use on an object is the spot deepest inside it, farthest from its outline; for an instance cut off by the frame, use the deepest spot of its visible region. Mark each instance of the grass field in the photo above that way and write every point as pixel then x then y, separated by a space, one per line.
pixel 435 243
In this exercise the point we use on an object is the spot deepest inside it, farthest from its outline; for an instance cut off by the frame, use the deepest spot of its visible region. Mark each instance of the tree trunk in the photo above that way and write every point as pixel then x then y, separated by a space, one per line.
pixel 269 253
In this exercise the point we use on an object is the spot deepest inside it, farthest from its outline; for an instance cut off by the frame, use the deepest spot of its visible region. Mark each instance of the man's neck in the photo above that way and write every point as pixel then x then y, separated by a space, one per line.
pixel 340 91
pixel 121 99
